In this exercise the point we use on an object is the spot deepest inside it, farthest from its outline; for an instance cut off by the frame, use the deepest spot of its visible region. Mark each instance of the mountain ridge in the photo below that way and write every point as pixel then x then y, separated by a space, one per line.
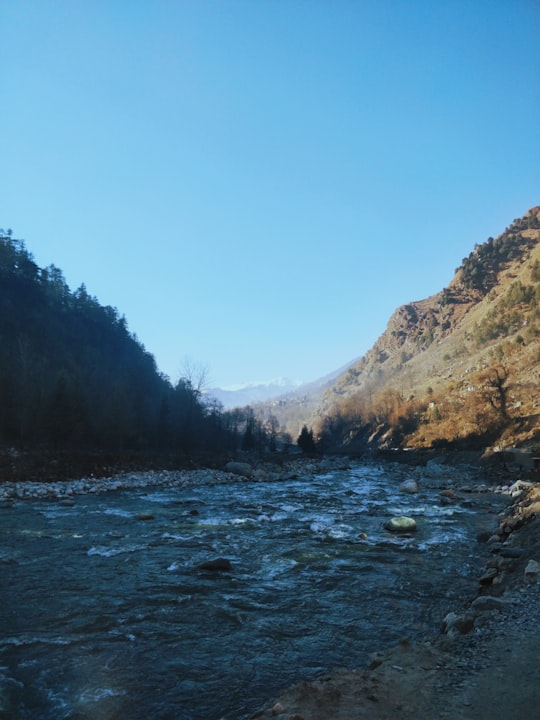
pixel 458 367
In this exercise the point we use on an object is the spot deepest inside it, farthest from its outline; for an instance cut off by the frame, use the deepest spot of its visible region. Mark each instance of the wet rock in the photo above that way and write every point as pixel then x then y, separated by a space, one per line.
pixel 278 709
pixel 216 565
pixel 409 486
pixel 401 524
pixel 448 493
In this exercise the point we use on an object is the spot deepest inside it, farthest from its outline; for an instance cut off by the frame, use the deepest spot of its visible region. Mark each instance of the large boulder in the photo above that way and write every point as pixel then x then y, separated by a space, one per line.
pixel 401 524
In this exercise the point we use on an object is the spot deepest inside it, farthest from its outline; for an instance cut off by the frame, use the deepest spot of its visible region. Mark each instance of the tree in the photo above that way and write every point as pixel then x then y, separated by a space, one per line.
pixel 305 440
pixel 249 439
pixel 272 429
pixel 495 390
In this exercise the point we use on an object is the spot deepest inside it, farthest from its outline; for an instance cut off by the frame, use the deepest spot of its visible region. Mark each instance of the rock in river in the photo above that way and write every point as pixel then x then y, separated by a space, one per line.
pixel 409 486
pixel 401 524
pixel 217 565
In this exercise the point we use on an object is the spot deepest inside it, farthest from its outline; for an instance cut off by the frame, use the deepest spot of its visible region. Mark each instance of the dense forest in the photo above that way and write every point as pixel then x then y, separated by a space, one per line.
pixel 73 377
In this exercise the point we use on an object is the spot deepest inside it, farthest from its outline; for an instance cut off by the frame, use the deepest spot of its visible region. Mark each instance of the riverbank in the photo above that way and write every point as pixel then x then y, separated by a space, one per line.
pixel 28 488
pixel 485 664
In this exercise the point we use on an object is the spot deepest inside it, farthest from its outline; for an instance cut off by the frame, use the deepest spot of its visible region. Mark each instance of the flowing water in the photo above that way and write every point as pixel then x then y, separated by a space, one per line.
pixel 103 615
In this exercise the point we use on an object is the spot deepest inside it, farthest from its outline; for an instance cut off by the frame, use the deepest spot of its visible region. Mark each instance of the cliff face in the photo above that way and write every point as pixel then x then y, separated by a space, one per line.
pixel 439 357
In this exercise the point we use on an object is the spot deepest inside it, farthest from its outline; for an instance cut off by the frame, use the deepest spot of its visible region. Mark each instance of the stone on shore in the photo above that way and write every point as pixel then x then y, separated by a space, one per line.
pixel 487 602
pixel 239 468
pixel 455 625
pixel 511 552
pixel 401 524
pixel 532 571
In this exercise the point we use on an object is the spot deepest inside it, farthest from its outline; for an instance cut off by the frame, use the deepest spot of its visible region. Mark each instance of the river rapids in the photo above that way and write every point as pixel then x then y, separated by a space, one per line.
pixel 105 613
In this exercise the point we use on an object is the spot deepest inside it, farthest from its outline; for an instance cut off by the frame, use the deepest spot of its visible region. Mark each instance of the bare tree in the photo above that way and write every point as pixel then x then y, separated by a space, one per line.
pixel 196 374
pixel 495 389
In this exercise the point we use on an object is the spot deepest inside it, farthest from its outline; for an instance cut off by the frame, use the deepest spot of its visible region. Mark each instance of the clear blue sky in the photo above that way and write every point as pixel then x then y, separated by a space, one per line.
pixel 257 184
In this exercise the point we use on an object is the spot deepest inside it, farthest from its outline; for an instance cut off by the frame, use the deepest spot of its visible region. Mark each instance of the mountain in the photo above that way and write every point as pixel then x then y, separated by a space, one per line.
pixel 295 408
pixel 252 393
pixel 459 368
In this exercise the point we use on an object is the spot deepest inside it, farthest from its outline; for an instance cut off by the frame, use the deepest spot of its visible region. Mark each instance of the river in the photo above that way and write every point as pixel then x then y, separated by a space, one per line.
pixel 104 615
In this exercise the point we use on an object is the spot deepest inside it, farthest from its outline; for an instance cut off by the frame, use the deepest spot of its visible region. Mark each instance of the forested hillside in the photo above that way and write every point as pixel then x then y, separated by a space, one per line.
pixel 72 376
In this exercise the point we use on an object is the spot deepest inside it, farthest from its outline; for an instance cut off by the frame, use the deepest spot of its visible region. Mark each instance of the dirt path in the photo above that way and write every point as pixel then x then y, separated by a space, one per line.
pixel 490 673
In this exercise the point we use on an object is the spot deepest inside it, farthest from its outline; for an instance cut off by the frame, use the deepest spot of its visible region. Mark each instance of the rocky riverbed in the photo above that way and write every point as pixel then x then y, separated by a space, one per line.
pixel 484 665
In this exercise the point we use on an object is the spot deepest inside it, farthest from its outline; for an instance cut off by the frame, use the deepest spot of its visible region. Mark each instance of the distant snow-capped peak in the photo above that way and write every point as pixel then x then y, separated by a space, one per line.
pixel 280 382
pixel 253 392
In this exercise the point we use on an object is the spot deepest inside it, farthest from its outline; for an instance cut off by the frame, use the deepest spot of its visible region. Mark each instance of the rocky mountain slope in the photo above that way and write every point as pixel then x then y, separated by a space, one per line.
pixel 460 367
